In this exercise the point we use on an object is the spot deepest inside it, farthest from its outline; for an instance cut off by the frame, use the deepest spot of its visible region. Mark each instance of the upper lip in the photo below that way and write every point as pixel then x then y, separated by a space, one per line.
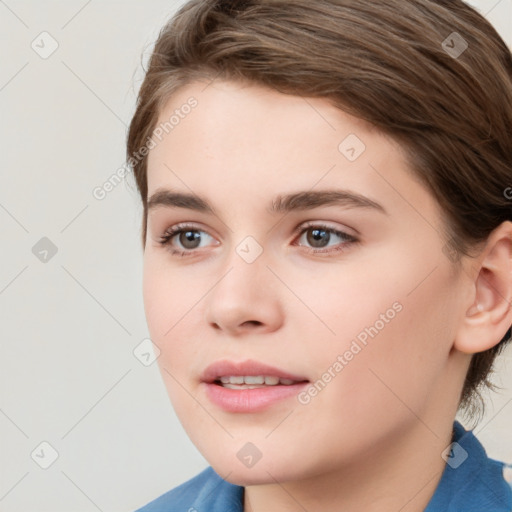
pixel 225 368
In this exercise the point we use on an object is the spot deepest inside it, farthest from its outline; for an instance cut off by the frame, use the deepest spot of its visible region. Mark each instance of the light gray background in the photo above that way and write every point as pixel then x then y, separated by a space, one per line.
pixel 69 326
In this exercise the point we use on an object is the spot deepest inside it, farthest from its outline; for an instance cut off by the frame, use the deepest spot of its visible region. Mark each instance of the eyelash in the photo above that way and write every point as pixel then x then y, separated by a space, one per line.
pixel 165 239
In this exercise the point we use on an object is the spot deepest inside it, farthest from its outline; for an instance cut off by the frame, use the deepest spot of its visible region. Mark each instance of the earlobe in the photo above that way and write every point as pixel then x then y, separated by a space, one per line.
pixel 489 317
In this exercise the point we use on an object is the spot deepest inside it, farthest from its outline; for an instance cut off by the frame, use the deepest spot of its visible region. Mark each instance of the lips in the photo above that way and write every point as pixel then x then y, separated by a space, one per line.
pixel 249 386
pixel 222 370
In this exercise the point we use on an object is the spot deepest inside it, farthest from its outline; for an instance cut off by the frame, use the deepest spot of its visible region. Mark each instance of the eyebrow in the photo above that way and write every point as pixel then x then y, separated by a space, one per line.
pixel 297 201
pixel 308 200
pixel 171 199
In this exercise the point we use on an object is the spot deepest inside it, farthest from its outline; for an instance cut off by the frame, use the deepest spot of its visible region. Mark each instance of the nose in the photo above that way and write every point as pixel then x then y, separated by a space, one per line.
pixel 246 299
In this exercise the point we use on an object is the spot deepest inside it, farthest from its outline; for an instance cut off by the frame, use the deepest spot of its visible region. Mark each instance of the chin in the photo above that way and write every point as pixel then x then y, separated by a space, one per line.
pixel 260 473
pixel 246 477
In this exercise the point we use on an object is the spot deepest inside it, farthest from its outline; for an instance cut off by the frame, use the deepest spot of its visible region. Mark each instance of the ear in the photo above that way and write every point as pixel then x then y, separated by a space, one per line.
pixel 489 317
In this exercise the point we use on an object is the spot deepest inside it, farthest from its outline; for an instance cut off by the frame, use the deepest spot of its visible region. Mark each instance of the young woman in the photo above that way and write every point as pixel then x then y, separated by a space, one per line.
pixel 327 240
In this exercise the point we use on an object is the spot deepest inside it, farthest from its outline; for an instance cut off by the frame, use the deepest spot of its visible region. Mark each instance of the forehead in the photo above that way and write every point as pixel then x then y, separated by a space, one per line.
pixel 249 142
pixel 227 111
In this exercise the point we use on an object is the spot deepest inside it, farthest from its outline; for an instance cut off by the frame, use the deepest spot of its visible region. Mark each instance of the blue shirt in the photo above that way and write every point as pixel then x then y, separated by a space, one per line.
pixel 471 482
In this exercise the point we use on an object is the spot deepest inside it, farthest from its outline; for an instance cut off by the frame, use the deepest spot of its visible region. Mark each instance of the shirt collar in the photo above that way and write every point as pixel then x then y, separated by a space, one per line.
pixel 471 481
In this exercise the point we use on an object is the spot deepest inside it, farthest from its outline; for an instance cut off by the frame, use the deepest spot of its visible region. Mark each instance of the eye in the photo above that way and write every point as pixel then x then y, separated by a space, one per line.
pixel 319 237
pixel 189 238
pixel 184 240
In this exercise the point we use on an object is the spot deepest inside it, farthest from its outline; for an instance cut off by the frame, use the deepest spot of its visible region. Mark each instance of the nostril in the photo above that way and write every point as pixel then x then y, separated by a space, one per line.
pixel 252 322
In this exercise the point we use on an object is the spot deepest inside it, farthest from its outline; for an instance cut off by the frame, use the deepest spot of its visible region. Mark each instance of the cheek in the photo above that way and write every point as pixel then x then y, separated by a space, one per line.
pixel 163 308
pixel 392 336
pixel 167 296
pixel 172 302
pixel 404 362
pixel 156 300
pixel 344 304
pixel 166 303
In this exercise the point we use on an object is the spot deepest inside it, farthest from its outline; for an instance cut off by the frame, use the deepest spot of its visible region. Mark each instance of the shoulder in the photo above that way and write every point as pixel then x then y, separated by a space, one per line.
pixel 471 480
pixel 205 491
pixel 507 474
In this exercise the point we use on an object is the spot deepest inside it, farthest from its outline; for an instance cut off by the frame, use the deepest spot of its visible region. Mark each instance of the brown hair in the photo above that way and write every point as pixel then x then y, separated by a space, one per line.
pixel 432 74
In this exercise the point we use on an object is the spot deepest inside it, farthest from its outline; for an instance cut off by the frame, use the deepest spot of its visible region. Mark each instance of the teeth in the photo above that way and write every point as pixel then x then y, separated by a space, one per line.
pixel 240 386
pixel 253 381
pixel 232 380
pixel 250 379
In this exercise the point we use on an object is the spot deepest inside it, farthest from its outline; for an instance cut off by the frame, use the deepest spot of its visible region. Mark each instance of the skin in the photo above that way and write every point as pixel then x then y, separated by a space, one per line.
pixel 392 406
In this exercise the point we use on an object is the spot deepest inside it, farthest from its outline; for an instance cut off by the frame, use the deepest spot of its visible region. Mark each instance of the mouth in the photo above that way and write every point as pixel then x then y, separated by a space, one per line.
pixel 253 381
pixel 249 386
pixel 248 373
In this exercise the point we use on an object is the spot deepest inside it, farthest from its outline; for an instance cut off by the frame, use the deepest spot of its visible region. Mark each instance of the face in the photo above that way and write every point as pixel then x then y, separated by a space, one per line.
pixel 287 239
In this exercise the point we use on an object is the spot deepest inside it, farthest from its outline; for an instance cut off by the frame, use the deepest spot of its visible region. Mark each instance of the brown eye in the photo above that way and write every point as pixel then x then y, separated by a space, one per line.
pixel 317 237
pixel 184 240
pixel 189 239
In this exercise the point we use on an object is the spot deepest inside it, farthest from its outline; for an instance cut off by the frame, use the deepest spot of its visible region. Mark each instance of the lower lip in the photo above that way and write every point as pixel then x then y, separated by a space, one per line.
pixel 250 400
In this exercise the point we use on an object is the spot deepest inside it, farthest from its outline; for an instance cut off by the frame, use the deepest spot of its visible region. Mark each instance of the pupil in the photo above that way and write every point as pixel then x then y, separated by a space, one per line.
pixel 189 238
pixel 318 235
